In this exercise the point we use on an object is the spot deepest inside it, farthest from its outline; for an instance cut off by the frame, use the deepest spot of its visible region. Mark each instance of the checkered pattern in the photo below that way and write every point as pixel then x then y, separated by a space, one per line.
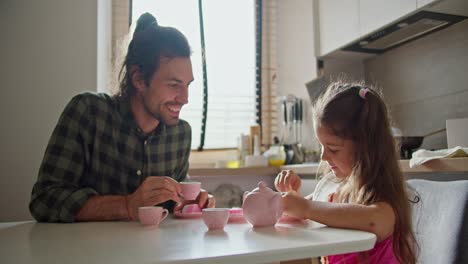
pixel 98 149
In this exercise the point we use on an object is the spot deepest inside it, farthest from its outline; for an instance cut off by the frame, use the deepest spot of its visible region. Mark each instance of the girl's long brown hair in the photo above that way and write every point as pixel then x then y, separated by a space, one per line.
pixel 376 175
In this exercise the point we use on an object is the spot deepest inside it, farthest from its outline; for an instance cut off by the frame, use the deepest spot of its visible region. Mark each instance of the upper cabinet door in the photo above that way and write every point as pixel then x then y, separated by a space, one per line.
pixel 338 23
pixel 378 13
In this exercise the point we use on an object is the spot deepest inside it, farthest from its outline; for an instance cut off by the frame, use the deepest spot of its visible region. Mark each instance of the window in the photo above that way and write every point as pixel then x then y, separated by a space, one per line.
pixel 229 30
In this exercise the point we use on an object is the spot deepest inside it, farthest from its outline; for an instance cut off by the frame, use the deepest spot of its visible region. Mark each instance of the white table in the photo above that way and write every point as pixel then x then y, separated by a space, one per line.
pixel 175 241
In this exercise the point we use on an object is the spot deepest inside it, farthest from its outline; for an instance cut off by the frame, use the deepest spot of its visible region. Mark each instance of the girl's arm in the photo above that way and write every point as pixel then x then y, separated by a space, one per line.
pixel 377 218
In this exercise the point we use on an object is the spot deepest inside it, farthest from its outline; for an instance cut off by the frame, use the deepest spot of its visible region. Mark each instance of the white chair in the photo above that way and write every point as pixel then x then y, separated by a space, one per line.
pixel 440 221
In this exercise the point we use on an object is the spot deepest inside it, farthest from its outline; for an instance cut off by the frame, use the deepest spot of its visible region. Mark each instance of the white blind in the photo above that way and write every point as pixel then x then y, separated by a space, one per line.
pixel 229 28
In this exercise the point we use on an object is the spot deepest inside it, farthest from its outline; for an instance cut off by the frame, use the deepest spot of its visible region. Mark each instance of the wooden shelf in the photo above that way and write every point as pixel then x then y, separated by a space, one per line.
pixel 437 165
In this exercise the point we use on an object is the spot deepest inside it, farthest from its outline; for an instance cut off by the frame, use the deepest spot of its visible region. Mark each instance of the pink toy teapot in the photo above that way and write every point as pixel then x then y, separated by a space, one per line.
pixel 262 206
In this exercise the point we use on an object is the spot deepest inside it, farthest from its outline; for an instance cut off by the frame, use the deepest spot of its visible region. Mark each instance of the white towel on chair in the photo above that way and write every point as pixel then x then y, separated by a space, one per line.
pixel 422 156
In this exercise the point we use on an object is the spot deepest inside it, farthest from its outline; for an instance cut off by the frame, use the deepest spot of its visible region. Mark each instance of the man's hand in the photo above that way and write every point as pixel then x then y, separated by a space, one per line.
pixel 204 200
pixel 287 181
pixel 154 190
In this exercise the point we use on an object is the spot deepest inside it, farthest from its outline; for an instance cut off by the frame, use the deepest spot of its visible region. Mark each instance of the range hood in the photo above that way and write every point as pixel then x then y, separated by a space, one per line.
pixel 404 30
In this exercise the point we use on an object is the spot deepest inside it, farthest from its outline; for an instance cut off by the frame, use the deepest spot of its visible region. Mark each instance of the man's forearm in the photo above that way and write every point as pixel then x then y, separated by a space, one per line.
pixel 104 208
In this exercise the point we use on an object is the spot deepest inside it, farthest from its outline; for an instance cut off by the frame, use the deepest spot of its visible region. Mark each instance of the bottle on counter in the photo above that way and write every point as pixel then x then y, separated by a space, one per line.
pixel 275 154
pixel 256 160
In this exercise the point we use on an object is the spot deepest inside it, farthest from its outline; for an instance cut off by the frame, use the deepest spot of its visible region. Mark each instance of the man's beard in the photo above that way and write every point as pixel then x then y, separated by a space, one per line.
pixel 157 115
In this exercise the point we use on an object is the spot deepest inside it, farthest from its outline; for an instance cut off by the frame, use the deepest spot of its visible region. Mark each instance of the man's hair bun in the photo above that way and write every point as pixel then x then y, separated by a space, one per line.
pixel 144 21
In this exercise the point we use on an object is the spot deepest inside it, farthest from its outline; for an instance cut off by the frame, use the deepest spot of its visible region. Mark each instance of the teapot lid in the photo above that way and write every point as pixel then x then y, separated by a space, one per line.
pixel 262 187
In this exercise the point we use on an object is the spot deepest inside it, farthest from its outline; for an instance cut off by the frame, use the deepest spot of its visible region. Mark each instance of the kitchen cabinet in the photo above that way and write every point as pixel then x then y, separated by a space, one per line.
pixel 341 22
pixel 338 23
pixel 374 14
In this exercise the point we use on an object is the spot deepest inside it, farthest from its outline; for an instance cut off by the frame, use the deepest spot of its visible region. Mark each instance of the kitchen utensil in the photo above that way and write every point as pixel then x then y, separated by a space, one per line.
pixel 288 106
pixel 294 153
pixel 410 143
pixel 298 119
pixel 293 117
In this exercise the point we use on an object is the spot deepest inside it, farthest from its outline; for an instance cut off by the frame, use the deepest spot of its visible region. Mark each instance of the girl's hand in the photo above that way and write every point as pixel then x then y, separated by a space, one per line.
pixel 295 205
pixel 287 181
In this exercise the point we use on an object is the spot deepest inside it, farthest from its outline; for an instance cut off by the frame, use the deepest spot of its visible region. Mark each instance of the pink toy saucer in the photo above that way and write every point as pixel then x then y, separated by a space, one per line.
pixel 189 211
pixel 194 215
pixel 286 219
pixel 236 214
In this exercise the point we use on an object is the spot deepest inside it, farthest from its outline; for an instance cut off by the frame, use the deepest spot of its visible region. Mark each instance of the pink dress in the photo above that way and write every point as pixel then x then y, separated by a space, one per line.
pixel 382 253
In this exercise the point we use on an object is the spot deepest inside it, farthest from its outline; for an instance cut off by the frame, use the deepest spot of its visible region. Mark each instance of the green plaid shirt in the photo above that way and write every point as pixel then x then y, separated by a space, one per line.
pixel 98 149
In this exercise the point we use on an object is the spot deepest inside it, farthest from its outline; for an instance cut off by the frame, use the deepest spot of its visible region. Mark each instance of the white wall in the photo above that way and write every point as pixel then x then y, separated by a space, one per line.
pixel 104 48
pixel 296 55
pixel 48 50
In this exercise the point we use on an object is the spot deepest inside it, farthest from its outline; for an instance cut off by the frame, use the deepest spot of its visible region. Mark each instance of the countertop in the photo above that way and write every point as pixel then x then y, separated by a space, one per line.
pixel 448 165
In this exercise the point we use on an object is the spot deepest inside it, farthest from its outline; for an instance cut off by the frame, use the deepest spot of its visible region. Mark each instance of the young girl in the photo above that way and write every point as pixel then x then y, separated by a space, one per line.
pixel 369 192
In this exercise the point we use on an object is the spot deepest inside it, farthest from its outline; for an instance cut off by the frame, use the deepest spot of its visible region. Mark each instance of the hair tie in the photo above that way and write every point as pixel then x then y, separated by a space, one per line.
pixel 363 92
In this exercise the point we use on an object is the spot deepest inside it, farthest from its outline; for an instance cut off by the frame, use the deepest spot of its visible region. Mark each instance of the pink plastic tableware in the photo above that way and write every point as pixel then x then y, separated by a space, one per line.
pixel 191 208
pixel 262 206
pixel 190 190
pixel 189 211
pixel 236 215
pixel 152 215
pixel 287 219
pixel 181 215
pixel 215 218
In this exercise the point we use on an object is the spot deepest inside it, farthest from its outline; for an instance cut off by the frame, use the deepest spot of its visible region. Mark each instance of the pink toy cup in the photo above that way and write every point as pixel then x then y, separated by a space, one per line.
pixel 152 215
pixel 190 190
pixel 215 218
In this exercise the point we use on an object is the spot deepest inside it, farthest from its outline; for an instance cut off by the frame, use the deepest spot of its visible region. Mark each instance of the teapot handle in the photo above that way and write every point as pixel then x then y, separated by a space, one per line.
pixel 244 195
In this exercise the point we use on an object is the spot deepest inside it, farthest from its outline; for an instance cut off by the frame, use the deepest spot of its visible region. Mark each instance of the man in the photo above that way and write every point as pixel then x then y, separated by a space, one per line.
pixel 110 155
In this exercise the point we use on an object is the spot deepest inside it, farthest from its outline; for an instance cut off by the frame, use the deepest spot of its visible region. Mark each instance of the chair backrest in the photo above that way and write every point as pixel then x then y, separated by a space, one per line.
pixel 440 220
